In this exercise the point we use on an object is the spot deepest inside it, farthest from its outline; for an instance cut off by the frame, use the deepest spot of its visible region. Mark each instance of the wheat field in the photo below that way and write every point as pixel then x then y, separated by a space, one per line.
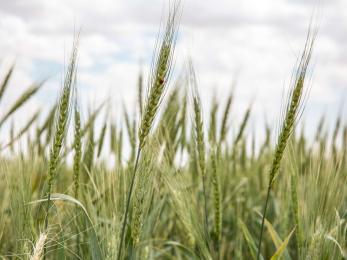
pixel 190 187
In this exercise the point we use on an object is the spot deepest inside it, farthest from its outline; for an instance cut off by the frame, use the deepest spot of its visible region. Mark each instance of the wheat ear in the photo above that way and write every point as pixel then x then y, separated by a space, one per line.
pixel 158 83
pixel 200 144
pixel 5 81
pixel 61 124
pixel 291 113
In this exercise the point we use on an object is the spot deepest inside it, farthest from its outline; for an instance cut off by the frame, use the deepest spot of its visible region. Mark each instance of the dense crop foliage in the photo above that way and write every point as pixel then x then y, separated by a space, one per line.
pixel 190 187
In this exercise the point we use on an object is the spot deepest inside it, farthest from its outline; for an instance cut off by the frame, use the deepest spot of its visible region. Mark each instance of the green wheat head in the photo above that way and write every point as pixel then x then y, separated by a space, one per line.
pixel 292 107
pixel 160 76
pixel 61 122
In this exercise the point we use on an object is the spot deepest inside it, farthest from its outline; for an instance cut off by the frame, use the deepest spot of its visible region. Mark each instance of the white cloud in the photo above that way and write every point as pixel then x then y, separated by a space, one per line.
pixel 256 42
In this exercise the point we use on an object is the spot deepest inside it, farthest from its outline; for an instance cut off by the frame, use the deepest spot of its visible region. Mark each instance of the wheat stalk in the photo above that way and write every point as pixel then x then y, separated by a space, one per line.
pixel 224 127
pixel 294 102
pixel 78 152
pixel 61 124
pixel 216 199
pixel 158 83
pixel 88 157
pixel 200 143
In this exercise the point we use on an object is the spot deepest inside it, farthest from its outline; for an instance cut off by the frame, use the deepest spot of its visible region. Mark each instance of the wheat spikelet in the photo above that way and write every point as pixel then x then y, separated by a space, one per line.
pixel 224 127
pixel 216 198
pixel 78 152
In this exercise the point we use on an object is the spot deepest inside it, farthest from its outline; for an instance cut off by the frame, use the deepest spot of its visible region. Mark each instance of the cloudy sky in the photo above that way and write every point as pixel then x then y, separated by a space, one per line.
pixel 253 42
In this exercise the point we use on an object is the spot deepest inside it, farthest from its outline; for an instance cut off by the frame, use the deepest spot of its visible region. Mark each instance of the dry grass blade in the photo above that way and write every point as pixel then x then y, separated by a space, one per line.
pixel 39 246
